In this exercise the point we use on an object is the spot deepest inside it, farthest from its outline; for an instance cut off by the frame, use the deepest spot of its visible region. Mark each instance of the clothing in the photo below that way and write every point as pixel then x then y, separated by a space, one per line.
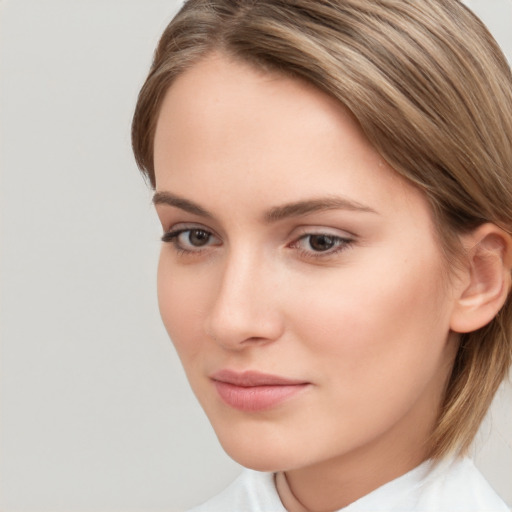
pixel 453 485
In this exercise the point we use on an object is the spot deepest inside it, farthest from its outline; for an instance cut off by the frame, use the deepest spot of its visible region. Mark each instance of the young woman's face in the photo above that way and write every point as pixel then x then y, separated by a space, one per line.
pixel 300 278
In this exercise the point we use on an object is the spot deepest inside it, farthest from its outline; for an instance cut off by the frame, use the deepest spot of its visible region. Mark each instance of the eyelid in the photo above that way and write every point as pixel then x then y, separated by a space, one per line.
pixel 184 226
pixel 343 241
pixel 171 236
pixel 323 230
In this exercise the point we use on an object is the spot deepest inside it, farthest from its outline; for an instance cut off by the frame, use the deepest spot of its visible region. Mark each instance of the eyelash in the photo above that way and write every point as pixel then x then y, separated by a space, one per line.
pixel 339 243
pixel 172 237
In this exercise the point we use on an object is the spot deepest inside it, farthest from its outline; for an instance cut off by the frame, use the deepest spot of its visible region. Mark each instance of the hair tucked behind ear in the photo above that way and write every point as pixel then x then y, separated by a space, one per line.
pixel 431 90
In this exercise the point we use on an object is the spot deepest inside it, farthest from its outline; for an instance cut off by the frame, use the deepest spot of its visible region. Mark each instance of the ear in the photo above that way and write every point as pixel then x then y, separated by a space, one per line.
pixel 485 280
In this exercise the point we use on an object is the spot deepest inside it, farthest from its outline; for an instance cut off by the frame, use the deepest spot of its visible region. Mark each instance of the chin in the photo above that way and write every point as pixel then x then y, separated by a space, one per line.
pixel 258 460
pixel 260 455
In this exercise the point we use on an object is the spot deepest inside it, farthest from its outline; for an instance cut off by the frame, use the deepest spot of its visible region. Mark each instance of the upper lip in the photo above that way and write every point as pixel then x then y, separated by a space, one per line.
pixel 252 378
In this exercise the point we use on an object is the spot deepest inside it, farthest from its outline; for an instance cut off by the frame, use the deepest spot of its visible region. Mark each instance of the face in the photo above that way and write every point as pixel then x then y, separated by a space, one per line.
pixel 300 277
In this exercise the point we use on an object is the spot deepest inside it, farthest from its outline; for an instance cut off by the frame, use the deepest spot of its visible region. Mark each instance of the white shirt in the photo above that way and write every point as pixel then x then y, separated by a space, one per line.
pixel 454 485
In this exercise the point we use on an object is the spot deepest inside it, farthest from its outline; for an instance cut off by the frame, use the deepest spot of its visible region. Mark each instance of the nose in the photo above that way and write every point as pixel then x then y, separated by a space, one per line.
pixel 244 311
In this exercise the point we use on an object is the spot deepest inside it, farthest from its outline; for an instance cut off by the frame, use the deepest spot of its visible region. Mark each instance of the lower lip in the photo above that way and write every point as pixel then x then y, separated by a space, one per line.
pixel 256 398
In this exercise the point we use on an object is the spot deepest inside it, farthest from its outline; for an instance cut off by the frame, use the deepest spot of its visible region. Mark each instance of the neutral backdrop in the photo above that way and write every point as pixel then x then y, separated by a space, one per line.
pixel 96 414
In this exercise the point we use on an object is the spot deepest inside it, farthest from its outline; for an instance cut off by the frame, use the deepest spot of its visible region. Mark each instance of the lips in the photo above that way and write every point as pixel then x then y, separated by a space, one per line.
pixel 255 391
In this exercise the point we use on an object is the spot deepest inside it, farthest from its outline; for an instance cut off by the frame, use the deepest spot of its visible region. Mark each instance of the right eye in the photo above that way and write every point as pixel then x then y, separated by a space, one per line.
pixel 188 240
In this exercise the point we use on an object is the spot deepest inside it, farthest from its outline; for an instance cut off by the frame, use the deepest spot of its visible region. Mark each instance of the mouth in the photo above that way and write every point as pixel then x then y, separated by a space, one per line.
pixel 254 391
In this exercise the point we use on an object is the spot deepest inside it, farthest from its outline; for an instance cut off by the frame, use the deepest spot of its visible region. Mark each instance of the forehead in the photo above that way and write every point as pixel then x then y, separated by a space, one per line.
pixel 231 130
pixel 223 94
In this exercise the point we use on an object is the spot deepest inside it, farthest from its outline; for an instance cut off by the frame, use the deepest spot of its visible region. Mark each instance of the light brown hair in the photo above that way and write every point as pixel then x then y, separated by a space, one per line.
pixel 433 93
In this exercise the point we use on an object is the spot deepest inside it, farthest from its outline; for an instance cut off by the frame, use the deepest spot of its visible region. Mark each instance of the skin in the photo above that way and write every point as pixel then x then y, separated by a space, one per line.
pixel 366 323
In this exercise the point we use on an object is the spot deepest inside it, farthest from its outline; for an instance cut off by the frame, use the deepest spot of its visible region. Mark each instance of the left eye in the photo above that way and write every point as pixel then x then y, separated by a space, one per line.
pixel 321 243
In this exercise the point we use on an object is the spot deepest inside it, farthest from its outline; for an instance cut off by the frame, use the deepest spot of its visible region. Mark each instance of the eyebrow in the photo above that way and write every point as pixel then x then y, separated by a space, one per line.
pixel 181 203
pixel 276 213
pixel 315 205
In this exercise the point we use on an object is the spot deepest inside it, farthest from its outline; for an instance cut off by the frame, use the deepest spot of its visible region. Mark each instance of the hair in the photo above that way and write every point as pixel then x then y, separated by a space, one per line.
pixel 431 90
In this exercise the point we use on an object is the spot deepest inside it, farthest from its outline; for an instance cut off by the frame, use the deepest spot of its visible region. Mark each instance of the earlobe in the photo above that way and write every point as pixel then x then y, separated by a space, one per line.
pixel 487 278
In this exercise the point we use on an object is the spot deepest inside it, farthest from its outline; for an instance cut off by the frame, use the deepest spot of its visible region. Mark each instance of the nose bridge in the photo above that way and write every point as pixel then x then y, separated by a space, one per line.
pixel 243 308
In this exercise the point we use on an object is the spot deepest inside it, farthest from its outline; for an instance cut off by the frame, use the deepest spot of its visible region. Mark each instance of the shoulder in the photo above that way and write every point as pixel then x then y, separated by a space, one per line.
pixel 453 485
pixel 252 491
pixel 457 486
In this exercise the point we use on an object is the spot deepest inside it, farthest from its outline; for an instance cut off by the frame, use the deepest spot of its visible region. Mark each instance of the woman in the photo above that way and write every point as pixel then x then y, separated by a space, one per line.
pixel 334 184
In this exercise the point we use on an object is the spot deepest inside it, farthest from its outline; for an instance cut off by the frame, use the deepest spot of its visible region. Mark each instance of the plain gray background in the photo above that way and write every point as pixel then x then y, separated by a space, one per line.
pixel 96 414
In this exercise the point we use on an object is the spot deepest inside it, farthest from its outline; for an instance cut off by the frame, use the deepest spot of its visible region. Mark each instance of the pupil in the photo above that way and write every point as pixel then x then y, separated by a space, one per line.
pixel 198 237
pixel 321 242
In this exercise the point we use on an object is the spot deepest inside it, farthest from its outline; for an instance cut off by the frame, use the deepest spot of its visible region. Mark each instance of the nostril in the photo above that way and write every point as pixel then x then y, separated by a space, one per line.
pixel 241 311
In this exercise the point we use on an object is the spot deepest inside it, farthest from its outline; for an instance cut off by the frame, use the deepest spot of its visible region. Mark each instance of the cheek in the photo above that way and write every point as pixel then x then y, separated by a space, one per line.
pixel 378 347
pixel 181 301
pixel 388 318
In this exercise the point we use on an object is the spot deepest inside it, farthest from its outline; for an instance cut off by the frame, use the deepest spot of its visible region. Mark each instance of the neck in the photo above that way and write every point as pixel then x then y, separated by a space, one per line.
pixel 337 482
